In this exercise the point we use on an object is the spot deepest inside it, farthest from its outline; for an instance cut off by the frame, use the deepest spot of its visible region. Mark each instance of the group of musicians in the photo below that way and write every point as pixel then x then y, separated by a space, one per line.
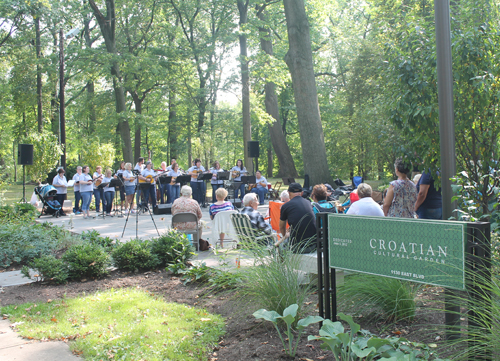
pixel 142 180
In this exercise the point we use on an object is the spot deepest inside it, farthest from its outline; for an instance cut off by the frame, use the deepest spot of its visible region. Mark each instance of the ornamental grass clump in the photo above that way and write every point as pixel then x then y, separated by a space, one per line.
pixel 393 297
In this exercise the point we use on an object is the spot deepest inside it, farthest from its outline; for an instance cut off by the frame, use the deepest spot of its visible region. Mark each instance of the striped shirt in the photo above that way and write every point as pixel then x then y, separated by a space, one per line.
pixel 216 208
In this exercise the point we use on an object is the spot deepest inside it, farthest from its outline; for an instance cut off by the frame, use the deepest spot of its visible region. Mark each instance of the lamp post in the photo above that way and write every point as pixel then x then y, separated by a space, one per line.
pixel 62 116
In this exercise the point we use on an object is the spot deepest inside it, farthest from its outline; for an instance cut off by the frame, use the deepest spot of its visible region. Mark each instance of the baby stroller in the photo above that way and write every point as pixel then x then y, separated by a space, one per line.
pixel 47 193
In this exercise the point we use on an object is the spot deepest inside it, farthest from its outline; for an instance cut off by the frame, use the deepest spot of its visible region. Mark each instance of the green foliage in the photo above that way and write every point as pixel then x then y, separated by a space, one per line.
pixel 22 243
pixel 102 154
pixel 289 315
pixel 358 344
pixel 86 261
pixel 172 248
pixel 135 255
pixel 46 153
pixel 25 209
pixel 48 269
pixel 217 279
pixel 20 213
pixel 393 297
pixel 92 237
pixel 275 282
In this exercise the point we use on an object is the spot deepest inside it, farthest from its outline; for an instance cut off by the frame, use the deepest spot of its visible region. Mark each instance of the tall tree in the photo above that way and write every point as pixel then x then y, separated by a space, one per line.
pixel 280 146
pixel 108 27
pixel 300 63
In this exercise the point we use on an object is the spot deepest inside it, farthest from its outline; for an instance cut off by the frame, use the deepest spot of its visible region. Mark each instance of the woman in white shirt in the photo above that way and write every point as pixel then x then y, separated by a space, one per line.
pixel 61 185
pixel 109 192
pixel 174 188
pixel 98 193
pixel 76 188
pixel 216 184
pixel 86 187
pixel 129 183
pixel 238 170
pixel 148 175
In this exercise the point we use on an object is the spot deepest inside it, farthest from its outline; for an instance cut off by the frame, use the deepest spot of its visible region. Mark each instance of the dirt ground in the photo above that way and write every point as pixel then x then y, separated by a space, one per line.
pixel 246 338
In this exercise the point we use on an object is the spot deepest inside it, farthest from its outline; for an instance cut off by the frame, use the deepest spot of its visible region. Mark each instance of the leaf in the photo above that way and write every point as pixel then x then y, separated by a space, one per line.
pixel 309 320
pixel 354 326
pixel 271 316
pixel 362 353
pixel 53 319
pixel 330 328
pixel 291 310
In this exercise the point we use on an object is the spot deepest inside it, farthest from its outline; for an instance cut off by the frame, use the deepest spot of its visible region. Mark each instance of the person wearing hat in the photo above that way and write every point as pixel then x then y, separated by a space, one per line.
pixel 298 212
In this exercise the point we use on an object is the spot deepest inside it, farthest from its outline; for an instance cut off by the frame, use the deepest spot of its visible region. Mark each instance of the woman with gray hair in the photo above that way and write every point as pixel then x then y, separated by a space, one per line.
pixel 366 206
pixel 185 204
pixel 401 194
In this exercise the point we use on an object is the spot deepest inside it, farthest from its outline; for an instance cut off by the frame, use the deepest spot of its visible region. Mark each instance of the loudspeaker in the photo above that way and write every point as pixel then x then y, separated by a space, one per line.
pixel 163 209
pixel 236 203
pixel 25 154
pixel 253 148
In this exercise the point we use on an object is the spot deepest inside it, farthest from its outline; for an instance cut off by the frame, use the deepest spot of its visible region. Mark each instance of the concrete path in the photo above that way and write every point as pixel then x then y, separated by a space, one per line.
pixel 15 348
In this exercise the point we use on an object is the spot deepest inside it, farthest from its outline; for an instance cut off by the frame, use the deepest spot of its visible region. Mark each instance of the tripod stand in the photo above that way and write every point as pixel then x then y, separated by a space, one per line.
pixel 137 185
pixel 117 183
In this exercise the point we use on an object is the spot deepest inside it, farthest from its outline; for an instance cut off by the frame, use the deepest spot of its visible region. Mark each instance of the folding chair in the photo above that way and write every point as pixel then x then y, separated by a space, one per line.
pixel 274 192
pixel 188 217
pixel 247 235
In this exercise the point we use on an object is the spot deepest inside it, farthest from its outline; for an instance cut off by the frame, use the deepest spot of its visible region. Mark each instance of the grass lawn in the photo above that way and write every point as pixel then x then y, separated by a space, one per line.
pixel 125 324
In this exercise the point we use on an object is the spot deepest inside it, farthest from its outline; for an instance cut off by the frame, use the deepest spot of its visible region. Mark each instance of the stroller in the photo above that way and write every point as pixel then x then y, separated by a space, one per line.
pixel 47 193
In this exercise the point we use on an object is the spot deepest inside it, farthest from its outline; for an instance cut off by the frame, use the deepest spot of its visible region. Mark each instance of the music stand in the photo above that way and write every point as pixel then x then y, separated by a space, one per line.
pixel 116 183
pixel 204 177
pixel 163 179
pixel 184 179
pixel 223 176
pixel 102 186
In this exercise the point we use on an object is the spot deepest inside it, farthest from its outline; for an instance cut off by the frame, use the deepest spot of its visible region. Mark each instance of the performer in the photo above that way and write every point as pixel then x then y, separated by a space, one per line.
pixel 98 193
pixel 149 175
pixel 119 173
pixel 236 173
pixel 61 185
pixel 214 181
pixel 163 187
pixel 129 183
pixel 109 192
pixel 172 161
pixel 76 189
pixel 86 187
pixel 174 188
pixel 261 187
pixel 198 186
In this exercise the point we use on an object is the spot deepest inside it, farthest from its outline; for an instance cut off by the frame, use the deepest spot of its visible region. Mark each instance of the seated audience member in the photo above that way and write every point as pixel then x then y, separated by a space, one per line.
pixel 366 206
pixel 284 196
pixel 299 214
pixel 250 204
pixel 220 206
pixel 185 204
pixel 319 196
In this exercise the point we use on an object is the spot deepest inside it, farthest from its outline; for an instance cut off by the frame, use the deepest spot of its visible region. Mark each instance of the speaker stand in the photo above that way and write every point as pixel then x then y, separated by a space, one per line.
pixel 23 200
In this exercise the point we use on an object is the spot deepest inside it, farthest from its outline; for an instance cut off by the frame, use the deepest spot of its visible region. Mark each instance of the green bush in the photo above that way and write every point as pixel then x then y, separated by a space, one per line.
pixel 19 213
pixel 22 243
pixel 86 261
pixel 48 269
pixel 395 298
pixel 93 237
pixel 25 209
pixel 135 255
pixel 275 282
pixel 172 248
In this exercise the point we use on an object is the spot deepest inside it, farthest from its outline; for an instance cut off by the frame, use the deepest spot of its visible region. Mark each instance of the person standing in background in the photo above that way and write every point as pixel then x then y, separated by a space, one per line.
pixel 216 184
pixel 61 185
pixel 76 188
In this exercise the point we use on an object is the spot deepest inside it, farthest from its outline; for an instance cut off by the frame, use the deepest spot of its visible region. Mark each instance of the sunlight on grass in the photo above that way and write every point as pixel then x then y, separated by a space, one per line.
pixel 126 324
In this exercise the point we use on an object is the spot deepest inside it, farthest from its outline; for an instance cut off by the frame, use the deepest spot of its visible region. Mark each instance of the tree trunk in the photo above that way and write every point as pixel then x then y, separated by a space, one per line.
pixel 38 45
pixel 269 162
pixel 107 26
pixel 300 62
pixel 280 146
pixel 137 140
pixel 245 85
pixel 173 133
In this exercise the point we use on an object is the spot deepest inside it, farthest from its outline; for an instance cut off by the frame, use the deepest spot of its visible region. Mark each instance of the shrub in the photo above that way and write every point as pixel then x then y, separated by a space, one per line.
pixel 86 260
pixel 395 298
pixel 48 268
pixel 171 248
pixel 93 237
pixel 22 243
pixel 275 281
pixel 25 209
pixel 135 255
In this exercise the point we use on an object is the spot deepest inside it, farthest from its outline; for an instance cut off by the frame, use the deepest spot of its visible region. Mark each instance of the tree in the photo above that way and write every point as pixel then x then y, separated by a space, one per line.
pixel 299 61
pixel 108 27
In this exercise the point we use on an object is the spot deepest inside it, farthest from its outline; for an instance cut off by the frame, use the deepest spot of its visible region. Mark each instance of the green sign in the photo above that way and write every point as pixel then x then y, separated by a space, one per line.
pixel 418 250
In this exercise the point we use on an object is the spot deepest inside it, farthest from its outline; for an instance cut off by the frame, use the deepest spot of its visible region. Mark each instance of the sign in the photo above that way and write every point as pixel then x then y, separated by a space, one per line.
pixel 417 250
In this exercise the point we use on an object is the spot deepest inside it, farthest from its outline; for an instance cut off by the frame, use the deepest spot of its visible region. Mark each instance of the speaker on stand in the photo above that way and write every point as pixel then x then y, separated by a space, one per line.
pixel 253 149
pixel 24 157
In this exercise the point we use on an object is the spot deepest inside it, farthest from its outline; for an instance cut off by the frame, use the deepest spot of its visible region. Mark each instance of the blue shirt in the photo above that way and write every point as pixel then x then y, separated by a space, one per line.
pixel 433 199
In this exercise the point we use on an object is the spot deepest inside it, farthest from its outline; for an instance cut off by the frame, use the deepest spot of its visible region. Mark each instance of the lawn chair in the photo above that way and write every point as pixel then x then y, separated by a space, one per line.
pixel 247 235
pixel 274 192
pixel 188 217
pixel 222 224
pixel 274 216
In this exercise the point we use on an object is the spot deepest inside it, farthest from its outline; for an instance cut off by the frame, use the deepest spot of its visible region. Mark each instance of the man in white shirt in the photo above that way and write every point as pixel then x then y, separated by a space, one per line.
pixel 366 206
pixel 261 188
